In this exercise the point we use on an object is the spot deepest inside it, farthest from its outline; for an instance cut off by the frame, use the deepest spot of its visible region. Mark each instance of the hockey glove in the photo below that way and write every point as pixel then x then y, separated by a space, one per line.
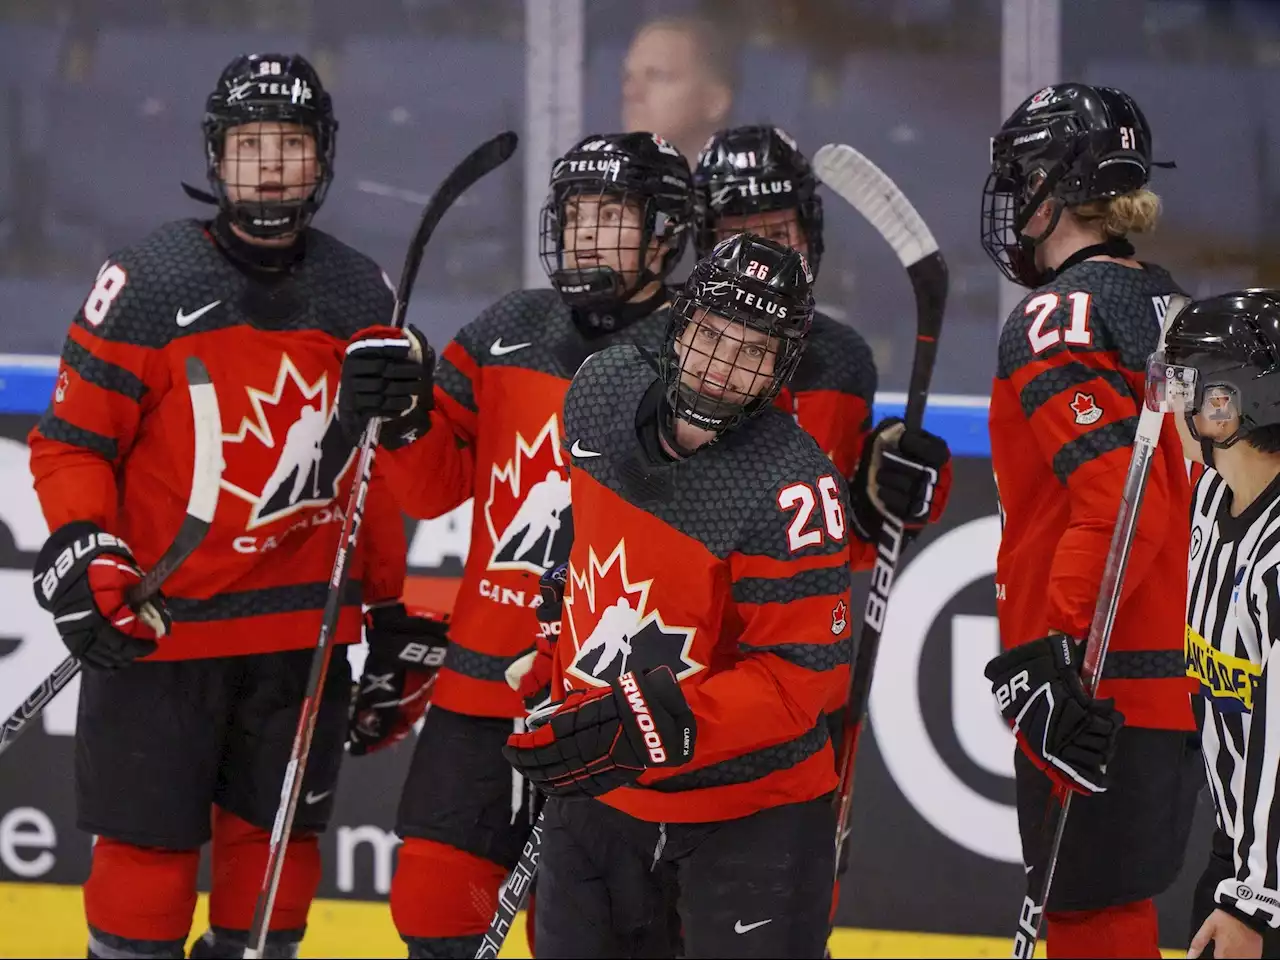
pixel 405 651
pixel 387 373
pixel 1065 732
pixel 530 674
pixel 81 576
pixel 598 741
pixel 897 476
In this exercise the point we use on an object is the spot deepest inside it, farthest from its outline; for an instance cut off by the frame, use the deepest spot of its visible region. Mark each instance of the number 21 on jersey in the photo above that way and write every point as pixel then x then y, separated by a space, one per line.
pixel 1044 306
pixel 801 498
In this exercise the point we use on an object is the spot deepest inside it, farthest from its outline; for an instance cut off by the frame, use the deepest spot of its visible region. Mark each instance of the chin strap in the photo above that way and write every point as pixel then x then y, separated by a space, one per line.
pixel 200 196
pixel 1206 451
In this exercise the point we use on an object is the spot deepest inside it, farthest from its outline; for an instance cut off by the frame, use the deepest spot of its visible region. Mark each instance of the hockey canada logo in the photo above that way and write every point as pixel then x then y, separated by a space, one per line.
pixel 839 618
pixel 527 510
pixel 612 628
pixel 1085 408
pixel 295 421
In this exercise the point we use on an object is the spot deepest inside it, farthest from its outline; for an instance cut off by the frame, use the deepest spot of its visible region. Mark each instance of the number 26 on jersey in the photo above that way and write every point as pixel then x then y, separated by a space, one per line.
pixel 801 498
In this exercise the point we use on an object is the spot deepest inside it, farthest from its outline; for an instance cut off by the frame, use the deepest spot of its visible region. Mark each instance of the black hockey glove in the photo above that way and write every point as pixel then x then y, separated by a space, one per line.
pixel 405 651
pixel 897 476
pixel 1065 732
pixel 530 674
pixel 598 741
pixel 81 576
pixel 387 373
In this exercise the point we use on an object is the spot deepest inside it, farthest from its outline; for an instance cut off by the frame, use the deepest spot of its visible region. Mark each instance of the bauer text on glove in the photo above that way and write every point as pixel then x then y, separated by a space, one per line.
pixel 1065 732
pixel 82 576
pixel 598 741
pixel 405 651
pixel 387 373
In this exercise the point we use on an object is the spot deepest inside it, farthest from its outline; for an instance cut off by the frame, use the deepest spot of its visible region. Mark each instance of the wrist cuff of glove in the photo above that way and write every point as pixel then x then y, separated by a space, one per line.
pixel 405 430
pixel 866 518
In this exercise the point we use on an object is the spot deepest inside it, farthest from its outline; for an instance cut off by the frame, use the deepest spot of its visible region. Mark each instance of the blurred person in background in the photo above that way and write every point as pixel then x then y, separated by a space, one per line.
pixel 678 81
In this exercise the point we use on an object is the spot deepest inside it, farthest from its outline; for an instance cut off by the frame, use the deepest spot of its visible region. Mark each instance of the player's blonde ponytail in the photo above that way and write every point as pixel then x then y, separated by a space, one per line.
pixel 1135 212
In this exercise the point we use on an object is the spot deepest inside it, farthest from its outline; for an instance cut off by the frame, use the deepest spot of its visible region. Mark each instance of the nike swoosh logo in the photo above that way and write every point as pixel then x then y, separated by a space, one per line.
pixel 578 450
pixel 316 797
pixel 740 927
pixel 186 319
pixel 500 349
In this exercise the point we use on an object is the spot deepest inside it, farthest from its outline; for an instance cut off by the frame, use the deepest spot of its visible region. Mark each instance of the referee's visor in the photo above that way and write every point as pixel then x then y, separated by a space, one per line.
pixel 1181 391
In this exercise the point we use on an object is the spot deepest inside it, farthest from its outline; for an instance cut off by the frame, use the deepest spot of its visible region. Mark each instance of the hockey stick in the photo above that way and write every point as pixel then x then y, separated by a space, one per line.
pixel 483 160
pixel 206 478
pixel 514 891
pixel 871 192
pixel 1150 421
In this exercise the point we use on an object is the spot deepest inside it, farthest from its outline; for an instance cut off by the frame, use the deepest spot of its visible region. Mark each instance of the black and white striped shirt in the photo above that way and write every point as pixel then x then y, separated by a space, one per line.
pixel 1233 621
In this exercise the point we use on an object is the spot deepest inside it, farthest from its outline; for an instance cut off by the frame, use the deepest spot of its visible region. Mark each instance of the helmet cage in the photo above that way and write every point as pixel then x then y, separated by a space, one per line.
pixel 292 95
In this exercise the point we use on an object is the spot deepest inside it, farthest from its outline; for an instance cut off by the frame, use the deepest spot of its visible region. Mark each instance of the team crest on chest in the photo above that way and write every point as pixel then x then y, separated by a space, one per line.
pixel 288 452
pixel 613 627
pixel 527 511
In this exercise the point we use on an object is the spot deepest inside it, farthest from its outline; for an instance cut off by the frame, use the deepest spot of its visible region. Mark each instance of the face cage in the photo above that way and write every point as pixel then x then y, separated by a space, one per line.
pixel 601 286
pixel 718 350
pixel 1001 235
pixel 270 219
pixel 1180 389
pixel 808 213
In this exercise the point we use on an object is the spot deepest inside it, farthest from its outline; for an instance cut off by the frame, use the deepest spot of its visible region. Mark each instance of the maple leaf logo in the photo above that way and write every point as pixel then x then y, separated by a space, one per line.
pixel 612 628
pixel 289 453
pixel 1085 408
pixel 527 509
pixel 839 618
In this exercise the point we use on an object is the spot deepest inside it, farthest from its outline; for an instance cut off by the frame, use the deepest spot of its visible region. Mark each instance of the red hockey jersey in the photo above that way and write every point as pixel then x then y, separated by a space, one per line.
pixel 1064 409
pixel 732 568
pixel 500 387
pixel 115 446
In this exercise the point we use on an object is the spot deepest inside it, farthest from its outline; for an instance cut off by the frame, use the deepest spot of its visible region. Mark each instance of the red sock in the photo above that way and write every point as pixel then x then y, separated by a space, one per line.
pixel 239 862
pixel 1129 930
pixel 440 891
pixel 141 893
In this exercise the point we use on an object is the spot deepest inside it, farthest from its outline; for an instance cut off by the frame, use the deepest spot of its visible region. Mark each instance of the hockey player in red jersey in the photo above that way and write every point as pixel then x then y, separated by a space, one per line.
pixel 754 178
pixel 486 425
pixel 1068 184
pixel 184 737
pixel 705 630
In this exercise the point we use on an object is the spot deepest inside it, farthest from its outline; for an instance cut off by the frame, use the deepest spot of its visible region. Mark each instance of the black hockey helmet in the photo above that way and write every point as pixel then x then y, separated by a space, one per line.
pixel 1070 142
pixel 609 173
pixel 266 88
pixel 743 314
pixel 1222 359
pixel 750 170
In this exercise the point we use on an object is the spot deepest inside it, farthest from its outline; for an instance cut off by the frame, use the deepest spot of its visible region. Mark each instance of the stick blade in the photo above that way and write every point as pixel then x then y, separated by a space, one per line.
pixel 207 423
pixel 870 191
pixel 477 164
